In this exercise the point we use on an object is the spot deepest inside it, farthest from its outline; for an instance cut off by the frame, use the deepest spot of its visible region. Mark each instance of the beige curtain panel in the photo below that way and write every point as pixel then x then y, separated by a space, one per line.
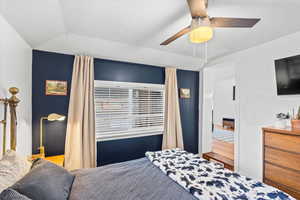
pixel 80 145
pixel 172 137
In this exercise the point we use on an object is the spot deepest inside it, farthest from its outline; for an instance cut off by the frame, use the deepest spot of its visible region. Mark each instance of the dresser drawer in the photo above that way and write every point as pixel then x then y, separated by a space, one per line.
pixel 282 158
pixel 283 176
pixel 282 141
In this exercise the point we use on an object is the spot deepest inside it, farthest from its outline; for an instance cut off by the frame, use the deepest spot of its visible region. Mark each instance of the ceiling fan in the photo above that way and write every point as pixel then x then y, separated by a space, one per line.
pixel 201 28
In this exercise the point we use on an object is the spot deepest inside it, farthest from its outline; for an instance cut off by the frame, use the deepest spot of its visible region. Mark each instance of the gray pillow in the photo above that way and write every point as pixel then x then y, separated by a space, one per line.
pixel 45 181
pixel 10 194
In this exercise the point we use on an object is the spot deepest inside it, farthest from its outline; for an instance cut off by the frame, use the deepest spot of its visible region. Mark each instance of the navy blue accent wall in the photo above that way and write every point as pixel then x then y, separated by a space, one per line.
pixel 127 149
pixel 54 66
pixel 49 66
pixel 128 72
pixel 189 109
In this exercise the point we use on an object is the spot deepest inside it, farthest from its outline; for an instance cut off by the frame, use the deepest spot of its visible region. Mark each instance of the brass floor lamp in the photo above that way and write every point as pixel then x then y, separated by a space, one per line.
pixel 51 117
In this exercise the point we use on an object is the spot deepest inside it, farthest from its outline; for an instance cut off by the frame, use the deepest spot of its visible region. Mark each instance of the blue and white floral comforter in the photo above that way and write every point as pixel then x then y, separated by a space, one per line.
pixel 210 181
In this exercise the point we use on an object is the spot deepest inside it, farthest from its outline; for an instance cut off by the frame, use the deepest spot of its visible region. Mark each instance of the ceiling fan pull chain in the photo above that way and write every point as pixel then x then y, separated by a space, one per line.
pixel 202 55
pixel 206 52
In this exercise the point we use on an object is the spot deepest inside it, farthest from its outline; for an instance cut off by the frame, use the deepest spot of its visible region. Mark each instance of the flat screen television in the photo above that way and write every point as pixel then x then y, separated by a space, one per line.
pixel 288 75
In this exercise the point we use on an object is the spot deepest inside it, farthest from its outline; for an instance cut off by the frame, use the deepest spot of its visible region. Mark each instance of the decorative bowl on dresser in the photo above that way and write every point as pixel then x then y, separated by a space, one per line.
pixel 281 159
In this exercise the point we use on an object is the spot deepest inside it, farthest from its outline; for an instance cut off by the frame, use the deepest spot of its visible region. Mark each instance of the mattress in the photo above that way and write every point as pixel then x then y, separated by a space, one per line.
pixel 132 180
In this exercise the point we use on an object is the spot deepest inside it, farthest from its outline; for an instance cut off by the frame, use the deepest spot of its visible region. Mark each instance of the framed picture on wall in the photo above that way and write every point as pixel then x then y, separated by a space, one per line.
pixel 185 93
pixel 56 88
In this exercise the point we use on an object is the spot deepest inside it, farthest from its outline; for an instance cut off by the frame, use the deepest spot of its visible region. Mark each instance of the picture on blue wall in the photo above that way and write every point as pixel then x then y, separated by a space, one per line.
pixel 56 88
pixel 185 93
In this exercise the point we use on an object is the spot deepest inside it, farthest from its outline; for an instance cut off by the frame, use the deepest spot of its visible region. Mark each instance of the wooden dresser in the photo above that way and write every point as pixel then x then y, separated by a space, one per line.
pixel 281 154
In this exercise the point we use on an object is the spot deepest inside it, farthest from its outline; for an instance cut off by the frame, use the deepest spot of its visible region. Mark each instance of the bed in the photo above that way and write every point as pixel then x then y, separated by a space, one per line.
pixel 137 179
pixel 223 135
pixel 169 174
pixel 172 174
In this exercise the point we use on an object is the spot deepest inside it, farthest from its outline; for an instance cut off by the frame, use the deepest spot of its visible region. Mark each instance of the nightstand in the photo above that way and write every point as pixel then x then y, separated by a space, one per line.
pixel 58 160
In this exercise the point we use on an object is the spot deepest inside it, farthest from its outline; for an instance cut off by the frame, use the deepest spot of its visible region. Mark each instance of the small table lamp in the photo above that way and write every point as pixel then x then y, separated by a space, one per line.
pixel 51 117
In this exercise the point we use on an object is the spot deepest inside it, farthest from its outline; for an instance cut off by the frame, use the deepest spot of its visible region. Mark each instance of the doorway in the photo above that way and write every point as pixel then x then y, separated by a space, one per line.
pixel 219 110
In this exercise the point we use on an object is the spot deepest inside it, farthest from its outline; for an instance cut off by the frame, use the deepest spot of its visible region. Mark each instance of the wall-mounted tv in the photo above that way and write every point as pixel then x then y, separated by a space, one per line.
pixel 288 75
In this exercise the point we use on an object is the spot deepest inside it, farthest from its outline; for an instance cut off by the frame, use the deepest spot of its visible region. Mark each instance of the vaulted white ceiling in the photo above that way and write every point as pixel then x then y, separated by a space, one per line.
pixel 132 30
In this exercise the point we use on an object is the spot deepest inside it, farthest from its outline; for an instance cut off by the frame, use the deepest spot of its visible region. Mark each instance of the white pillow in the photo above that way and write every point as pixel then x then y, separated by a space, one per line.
pixel 12 169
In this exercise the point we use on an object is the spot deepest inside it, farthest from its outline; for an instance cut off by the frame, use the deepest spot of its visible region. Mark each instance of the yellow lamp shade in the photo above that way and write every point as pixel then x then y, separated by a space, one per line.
pixel 55 117
pixel 201 34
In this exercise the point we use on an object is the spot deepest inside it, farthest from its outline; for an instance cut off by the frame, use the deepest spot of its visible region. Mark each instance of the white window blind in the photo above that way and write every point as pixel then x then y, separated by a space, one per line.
pixel 128 109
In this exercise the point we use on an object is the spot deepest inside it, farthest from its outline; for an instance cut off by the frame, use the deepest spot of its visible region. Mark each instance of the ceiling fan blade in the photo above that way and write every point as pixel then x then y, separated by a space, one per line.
pixel 198 8
pixel 224 22
pixel 177 35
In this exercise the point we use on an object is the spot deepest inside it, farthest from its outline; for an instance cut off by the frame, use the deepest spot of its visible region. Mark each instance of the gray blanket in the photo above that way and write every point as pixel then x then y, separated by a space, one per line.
pixel 133 180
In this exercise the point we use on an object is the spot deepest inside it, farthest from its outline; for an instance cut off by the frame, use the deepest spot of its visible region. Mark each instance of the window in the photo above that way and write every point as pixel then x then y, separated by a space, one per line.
pixel 126 110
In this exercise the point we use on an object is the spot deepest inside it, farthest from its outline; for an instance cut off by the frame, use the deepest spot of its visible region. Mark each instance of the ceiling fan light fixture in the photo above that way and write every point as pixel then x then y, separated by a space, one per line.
pixel 201 34
pixel 201 31
pixel 202 27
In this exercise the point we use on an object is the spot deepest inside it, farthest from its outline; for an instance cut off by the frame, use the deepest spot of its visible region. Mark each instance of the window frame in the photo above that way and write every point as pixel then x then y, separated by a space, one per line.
pixel 131 134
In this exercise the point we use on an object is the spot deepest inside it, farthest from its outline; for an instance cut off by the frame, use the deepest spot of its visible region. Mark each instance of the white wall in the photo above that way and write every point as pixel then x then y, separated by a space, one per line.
pixel 15 70
pixel 222 100
pixel 207 103
pixel 99 48
pixel 257 96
